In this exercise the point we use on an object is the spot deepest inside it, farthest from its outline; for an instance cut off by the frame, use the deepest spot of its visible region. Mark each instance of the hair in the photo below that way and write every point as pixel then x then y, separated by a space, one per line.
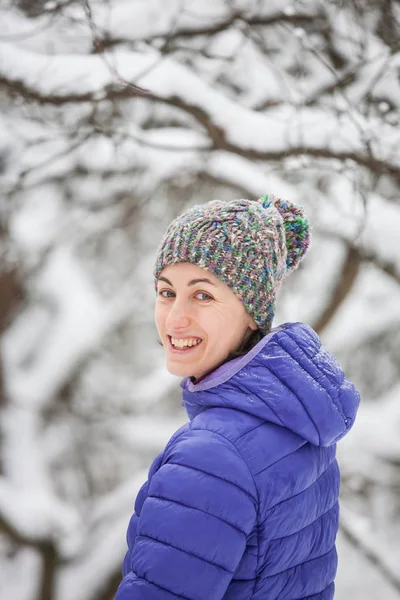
pixel 247 344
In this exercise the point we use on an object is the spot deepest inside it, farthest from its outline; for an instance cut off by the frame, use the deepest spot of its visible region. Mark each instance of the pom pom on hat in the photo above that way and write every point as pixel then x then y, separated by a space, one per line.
pixel 297 228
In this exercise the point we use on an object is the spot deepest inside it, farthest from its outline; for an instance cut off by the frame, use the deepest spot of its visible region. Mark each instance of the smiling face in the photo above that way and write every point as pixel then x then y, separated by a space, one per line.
pixel 199 320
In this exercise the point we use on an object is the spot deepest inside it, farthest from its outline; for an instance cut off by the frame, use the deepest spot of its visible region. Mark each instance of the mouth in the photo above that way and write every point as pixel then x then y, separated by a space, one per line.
pixel 184 349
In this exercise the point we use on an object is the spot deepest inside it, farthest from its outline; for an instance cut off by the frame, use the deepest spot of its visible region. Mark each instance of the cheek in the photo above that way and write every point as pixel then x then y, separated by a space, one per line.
pixel 221 331
pixel 233 330
pixel 159 316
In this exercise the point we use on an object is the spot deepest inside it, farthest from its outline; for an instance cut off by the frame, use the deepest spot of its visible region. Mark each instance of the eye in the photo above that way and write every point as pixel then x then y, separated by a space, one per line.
pixel 164 293
pixel 206 296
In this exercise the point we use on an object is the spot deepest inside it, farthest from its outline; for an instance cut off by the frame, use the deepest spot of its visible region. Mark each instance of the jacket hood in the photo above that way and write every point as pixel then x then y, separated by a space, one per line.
pixel 289 379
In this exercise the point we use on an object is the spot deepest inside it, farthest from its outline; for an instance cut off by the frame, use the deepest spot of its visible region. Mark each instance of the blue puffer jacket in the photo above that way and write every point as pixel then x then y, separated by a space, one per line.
pixel 243 502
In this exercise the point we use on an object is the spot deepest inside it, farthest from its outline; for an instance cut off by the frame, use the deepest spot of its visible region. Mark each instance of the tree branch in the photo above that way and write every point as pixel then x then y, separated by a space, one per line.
pixel 49 568
pixel 297 19
pixel 231 127
pixel 10 299
pixel 344 285
pixel 217 135
pixel 48 551
pixel 368 551
pixel 391 268
pixel 109 587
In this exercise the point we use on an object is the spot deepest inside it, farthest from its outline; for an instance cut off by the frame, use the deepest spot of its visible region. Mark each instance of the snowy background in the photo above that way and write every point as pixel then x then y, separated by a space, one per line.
pixel 116 115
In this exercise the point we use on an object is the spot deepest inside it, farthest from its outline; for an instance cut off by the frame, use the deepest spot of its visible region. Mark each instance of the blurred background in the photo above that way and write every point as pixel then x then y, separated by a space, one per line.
pixel 115 116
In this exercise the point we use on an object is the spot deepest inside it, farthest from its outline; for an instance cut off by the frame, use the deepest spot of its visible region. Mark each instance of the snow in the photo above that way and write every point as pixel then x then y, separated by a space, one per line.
pixel 289 10
pixel 136 150
pixel 227 43
pixel 381 232
pixel 27 498
pixel 36 516
pixel 249 175
pixel 45 33
pixel 376 77
pixel 375 436
pixel 120 499
pixel 88 574
pixel 133 20
pixel 171 138
pixel 288 126
pixel 73 334
pixel 277 7
pixel 82 322
pixel 149 433
pixel 349 584
pixel 39 221
pixel 372 307
pixel 27 561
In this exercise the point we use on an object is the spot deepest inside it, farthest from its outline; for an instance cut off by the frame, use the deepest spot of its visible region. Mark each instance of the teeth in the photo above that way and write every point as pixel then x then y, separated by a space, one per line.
pixel 184 343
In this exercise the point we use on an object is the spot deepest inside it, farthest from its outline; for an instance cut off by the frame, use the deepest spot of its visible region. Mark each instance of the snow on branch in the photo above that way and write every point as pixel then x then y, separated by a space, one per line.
pixel 285 131
pixel 31 518
pixel 83 322
pixel 132 21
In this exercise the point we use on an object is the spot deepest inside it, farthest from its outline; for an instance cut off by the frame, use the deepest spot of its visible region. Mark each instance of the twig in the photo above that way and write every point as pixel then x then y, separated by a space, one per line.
pixel 344 284
pixel 367 550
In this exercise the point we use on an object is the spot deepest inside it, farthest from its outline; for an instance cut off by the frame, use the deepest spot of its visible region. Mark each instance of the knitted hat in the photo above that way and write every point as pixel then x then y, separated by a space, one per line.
pixel 248 245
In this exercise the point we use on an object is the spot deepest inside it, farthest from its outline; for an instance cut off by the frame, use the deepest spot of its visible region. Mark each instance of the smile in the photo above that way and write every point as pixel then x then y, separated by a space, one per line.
pixel 183 346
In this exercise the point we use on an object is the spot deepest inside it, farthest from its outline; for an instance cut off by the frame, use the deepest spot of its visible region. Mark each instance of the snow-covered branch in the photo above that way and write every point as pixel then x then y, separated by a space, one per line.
pixel 366 254
pixel 154 20
pixel 285 131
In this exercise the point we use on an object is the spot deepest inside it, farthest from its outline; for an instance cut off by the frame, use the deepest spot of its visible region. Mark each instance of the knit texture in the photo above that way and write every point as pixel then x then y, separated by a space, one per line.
pixel 248 245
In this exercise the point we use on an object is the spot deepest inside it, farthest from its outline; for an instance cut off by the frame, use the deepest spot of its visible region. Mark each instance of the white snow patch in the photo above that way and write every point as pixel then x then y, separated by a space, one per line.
pixel 240 171
pixel 34 514
pixel 37 224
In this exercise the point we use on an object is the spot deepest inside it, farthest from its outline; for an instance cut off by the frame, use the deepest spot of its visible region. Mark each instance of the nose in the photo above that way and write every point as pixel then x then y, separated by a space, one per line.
pixel 178 317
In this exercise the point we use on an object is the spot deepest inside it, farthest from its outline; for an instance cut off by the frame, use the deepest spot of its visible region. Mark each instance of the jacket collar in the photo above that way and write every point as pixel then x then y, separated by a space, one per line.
pixel 289 379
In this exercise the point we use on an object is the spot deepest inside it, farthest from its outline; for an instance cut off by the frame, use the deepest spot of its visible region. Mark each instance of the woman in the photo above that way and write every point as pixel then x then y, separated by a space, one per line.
pixel 243 501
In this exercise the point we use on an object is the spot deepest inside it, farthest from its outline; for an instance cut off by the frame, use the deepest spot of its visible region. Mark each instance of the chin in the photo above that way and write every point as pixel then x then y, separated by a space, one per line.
pixel 179 370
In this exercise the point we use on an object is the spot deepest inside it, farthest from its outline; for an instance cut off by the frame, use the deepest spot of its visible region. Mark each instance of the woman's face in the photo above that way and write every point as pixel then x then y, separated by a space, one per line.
pixel 199 320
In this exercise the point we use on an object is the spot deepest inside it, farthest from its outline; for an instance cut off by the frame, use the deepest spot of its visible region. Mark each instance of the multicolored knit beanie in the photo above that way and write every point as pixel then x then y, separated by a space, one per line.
pixel 249 245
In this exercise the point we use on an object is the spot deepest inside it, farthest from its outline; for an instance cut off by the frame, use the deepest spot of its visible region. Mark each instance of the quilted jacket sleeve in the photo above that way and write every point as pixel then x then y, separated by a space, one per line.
pixel 192 529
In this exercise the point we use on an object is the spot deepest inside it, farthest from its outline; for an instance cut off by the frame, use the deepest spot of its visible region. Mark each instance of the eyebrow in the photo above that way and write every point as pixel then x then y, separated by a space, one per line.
pixel 191 282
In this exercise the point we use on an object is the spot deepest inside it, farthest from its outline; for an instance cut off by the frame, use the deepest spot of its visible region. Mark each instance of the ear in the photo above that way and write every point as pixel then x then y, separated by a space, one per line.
pixel 253 326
